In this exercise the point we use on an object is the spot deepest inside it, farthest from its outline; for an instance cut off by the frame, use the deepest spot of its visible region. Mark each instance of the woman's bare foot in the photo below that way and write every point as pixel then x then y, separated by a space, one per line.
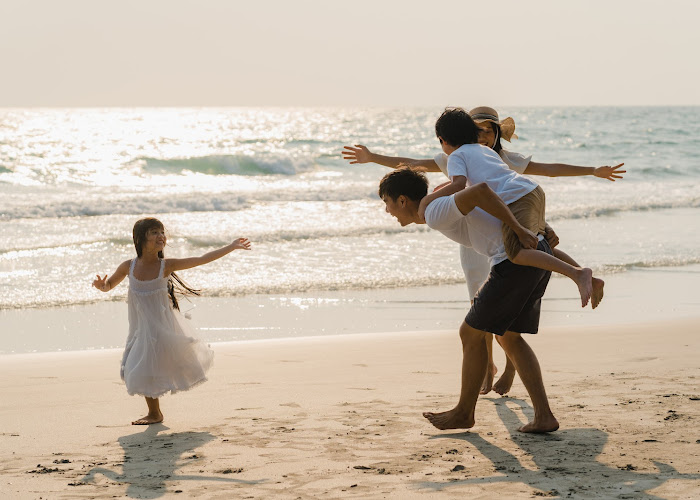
pixel 548 424
pixel 149 419
pixel 487 384
pixel 453 419
pixel 584 281
pixel 597 294
pixel 505 382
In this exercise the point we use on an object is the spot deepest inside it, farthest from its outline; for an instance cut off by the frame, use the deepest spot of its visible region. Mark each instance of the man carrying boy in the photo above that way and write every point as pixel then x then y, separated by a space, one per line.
pixel 508 303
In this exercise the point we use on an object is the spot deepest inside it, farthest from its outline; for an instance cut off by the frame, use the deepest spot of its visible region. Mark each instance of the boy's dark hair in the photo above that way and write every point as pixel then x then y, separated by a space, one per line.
pixel 404 181
pixel 456 127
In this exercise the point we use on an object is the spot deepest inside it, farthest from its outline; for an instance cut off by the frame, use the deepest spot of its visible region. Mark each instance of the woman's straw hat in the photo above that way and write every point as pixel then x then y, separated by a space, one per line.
pixel 486 114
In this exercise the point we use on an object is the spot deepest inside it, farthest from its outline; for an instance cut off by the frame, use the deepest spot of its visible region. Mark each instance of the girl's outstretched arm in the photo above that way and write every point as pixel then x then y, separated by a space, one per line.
pixel 360 154
pixel 172 265
pixel 564 170
pixel 105 285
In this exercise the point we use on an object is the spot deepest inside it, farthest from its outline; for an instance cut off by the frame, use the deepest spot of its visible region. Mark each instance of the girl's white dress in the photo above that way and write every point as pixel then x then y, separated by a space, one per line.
pixel 163 353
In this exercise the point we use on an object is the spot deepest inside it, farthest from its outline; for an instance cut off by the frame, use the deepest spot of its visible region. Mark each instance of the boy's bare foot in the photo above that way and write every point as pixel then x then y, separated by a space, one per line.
pixel 584 280
pixel 453 419
pixel 505 382
pixel 488 379
pixel 543 425
pixel 149 419
pixel 597 294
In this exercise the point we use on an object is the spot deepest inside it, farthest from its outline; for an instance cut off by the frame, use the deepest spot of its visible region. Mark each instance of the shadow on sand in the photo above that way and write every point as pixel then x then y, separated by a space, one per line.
pixel 565 461
pixel 151 459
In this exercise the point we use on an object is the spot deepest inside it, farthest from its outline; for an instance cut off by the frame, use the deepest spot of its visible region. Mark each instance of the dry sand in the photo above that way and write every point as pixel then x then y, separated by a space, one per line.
pixel 340 417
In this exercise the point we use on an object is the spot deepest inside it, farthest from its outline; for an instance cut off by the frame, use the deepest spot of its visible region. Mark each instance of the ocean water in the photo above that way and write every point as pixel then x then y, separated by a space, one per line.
pixel 74 181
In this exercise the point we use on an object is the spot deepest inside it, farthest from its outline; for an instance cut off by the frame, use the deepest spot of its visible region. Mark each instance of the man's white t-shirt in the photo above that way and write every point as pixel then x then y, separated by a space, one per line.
pixel 477 229
pixel 482 164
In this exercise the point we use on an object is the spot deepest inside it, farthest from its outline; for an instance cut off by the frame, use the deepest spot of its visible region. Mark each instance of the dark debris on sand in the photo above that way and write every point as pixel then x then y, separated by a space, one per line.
pixel 43 470
pixel 230 471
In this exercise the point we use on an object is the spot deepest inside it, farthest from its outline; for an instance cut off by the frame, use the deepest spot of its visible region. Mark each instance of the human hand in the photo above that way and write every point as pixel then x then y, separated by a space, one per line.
pixel 241 244
pixel 442 185
pixel 358 154
pixel 100 283
pixel 527 238
pixel 551 237
pixel 610 173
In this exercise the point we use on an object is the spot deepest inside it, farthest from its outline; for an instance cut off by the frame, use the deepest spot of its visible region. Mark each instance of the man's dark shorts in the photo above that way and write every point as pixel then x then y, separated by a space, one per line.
pixel 510 298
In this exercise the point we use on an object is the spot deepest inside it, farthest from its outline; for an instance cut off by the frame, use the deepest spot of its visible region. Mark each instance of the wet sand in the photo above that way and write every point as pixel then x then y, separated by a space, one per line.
pixel 340 417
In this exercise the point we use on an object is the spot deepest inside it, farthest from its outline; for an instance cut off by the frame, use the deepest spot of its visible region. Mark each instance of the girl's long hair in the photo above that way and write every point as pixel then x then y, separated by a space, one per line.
pixel 175 283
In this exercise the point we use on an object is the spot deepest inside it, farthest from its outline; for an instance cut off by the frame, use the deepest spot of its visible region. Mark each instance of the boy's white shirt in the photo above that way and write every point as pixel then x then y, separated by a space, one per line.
pixel 482 164
pixel 515 161
pixel 475 265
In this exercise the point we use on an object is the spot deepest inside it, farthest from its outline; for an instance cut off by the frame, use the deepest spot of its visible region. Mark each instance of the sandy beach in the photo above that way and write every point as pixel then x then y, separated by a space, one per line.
pixel 340 417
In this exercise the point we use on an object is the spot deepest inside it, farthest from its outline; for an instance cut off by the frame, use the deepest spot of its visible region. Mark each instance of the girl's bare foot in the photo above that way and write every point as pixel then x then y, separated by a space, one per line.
pixel 542 425
pixel 149 419
pixel 584 281
pixel 597 294
pixel 453 419
pixel 503 385
pixel 488 379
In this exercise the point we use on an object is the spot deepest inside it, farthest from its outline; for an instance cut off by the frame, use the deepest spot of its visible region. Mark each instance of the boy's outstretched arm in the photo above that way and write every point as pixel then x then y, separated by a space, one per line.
pixel 172 265
pixel 564 170
pixel 360 154
pixel 105 285
pixel 482 196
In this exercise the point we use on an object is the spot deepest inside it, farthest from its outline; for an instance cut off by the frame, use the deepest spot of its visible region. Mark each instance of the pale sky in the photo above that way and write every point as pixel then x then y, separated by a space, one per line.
pixel 354 53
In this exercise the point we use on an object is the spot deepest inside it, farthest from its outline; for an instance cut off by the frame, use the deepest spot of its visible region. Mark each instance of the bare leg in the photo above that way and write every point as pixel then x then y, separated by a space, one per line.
pixel 598 283
pixel 528 368
pixel 154 415
pixel 474 359
pixel 583 277
pixel 505 381
pixel 491 368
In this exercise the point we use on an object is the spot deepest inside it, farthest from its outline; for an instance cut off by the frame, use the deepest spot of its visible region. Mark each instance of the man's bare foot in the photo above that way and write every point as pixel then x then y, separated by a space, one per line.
pixel 488 379
pixel 584 281
pixel 453 419
pixel 548 424
pixel 149 419
pixel 597 295
pixel 505 382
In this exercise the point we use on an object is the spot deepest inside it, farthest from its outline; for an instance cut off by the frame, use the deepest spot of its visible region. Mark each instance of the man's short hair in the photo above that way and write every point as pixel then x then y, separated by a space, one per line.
pixel 405 181
pixel 456 127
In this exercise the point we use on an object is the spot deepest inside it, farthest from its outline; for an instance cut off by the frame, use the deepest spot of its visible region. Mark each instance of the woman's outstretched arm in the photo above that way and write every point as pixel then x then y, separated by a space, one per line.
pixel 564 170
pixel 360 154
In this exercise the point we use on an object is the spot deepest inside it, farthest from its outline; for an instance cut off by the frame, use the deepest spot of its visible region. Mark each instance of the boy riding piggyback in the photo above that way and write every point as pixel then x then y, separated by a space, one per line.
pixel 470 163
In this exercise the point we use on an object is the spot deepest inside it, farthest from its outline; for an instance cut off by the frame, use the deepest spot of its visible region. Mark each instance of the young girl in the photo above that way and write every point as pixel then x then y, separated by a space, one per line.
pixel 162 352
